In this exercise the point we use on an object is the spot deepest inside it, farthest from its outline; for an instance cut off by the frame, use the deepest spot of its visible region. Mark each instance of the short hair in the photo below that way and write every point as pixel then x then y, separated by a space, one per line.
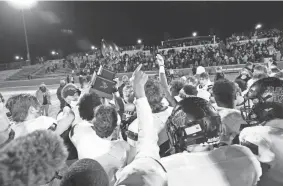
pixel 224 91
pixel 10 102
pixel 190 90
pixel 219 76
pixel 279 75
pixel 85 172
pixel 261 68
pixel 32 159
pixel 105 120
pixel 204 75
pixel 192 80
pixel 19 106
pixel 128 87
pixel 177 85
pixel 258 76
pixel 154 94
pixel 125 78
pixel 86 105
pixel 242 84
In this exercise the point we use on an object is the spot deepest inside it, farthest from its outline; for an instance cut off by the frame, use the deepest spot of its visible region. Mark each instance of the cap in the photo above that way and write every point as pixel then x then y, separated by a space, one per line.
pixel 42 85
pixel 70 90
pixel 200 70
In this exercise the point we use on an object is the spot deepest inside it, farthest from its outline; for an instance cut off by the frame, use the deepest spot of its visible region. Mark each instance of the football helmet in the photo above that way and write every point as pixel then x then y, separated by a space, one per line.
pixel 193 121
pixel 263 101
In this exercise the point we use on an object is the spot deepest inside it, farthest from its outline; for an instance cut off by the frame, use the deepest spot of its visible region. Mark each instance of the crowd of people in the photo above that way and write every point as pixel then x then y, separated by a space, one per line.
pixel 236 50
pixel 193 131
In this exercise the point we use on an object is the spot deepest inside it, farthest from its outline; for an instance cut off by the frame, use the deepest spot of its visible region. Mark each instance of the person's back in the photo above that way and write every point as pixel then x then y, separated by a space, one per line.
pixel 40 123
pixel 226 166
pixel 159 120
pixel 112 155
pixel 268 140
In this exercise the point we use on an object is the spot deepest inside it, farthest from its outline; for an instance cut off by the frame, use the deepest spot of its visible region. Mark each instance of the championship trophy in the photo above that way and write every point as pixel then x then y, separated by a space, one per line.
pixel 103 83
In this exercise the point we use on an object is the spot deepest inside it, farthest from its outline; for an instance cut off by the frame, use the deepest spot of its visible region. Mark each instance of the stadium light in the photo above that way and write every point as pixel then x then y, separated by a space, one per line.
pixel 195 34
pixel 53 52
pixel 92 47
pixel 258 26
pixel 139 41
pixel 22 4
pixel 17 57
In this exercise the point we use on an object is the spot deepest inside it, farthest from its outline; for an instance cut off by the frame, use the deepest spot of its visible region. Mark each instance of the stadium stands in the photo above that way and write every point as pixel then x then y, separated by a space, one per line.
pixel 25 72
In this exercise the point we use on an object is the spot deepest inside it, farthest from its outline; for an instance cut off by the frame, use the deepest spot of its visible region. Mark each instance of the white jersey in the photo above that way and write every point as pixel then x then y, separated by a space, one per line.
pixel 232 121
pixel 226 166
pixel 159 121
pixel 40 123
pixel 267 141
pixel 112 155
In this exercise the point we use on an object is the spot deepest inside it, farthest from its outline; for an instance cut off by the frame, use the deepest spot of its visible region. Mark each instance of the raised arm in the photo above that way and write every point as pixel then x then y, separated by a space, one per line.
pixel 148 136
pixel 163 81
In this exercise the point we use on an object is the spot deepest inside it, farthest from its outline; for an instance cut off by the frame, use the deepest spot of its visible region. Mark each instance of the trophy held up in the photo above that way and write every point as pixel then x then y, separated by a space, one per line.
pixel 103 83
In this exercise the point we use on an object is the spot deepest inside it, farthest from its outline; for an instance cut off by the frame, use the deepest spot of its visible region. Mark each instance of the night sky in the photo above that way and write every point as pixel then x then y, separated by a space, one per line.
pixel 125 22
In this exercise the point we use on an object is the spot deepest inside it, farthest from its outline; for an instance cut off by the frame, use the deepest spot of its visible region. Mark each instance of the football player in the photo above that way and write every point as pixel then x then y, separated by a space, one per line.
pixel 266 137
pixel 198 158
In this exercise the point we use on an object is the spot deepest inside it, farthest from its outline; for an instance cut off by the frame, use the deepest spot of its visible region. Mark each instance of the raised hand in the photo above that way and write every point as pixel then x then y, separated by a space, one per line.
pixel 160 60
pixel 139 80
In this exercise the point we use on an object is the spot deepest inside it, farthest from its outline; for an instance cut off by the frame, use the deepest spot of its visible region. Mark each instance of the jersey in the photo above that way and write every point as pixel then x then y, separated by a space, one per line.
pixel 40 123
pixel 266 142
pixel 226 166
pixel 112 155
pixel 159 120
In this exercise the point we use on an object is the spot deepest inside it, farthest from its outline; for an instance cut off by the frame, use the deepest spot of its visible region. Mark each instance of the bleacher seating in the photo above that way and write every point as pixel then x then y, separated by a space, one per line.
pixel 25 72
pixel 58 73
pixel 7 73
